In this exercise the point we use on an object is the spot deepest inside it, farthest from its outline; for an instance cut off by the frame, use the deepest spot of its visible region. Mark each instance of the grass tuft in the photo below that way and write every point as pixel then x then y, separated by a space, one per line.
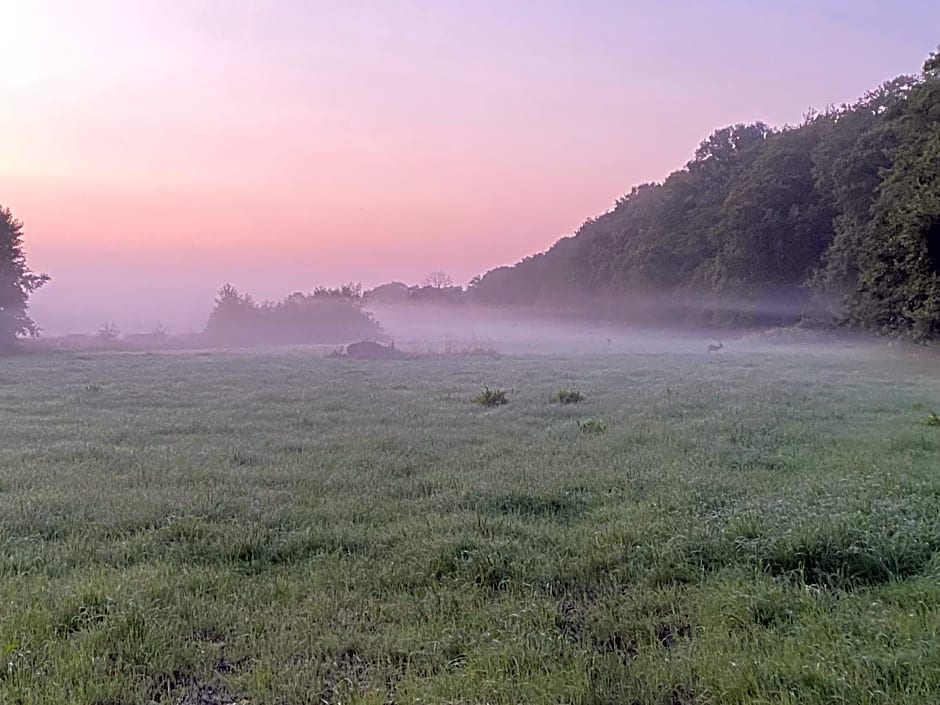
pixel 569 396
pixel 491 397
pixel 592 426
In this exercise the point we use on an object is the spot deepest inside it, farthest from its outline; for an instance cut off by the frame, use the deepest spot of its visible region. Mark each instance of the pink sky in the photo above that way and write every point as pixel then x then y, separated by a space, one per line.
pixel 156 150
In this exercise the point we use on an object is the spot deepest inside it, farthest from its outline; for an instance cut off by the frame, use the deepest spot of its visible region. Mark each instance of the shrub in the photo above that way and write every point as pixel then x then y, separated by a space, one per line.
pixel 491 397
pixel 569 396
pixel 932 420
pixel 592 426
pixel 109 331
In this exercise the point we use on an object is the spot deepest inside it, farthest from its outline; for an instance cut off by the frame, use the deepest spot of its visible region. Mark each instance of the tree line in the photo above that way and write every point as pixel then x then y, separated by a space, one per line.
pixel 324 316
pixel 836 218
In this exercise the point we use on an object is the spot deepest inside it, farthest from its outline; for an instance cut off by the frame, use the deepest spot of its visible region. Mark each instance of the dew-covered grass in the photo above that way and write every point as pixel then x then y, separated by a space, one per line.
pixel 281 528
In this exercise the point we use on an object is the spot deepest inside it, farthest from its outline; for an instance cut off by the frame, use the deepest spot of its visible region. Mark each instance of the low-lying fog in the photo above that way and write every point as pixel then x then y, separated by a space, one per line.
pixel 424 328
pixel 461 328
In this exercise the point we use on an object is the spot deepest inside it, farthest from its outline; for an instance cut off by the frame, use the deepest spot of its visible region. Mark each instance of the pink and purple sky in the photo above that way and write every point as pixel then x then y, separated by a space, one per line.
pixel 156 150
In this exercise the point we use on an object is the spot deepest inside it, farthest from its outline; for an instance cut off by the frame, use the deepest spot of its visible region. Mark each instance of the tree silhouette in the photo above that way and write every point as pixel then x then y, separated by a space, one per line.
pixel 438 280
pixel 17 282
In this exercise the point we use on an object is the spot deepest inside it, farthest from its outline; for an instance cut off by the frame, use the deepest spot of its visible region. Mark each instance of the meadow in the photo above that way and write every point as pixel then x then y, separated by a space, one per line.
pixel 279 528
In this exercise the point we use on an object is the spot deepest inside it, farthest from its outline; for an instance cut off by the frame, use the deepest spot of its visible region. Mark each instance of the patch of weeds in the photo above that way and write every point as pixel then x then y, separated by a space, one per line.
pixel 592 427
pixel 241 458
pixel 14 660
pixel 491 397
pixel 669 634
pixel 551 507
pixel 90 611
pixel 209 695
pixel 616 643
pixel 569 396
pixel 351 675
pixel 932 420
pixel 772 611
pixel 846 561
pixel 468 562
pixel 683 695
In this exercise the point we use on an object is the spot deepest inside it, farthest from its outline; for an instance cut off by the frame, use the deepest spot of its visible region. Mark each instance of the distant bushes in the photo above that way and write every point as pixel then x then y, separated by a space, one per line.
pixel 491 397
pixel 569 396
pixel 325 316
pixel 592 427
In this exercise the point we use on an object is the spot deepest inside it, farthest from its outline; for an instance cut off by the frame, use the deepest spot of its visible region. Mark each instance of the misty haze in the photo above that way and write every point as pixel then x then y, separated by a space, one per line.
pixel 490 353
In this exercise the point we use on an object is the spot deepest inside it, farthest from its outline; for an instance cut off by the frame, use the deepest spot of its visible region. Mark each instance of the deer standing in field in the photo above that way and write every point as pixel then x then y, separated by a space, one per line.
pixel 715 348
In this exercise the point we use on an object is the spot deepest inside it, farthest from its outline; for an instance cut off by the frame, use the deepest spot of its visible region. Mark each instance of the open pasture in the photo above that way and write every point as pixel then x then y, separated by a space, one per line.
pixel 279 528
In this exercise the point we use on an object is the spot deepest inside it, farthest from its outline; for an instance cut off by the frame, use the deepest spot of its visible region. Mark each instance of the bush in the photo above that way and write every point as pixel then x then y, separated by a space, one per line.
pixel 325 316
pixel 569 396
pixel 592 426
pixel 932 420
pixel 491 397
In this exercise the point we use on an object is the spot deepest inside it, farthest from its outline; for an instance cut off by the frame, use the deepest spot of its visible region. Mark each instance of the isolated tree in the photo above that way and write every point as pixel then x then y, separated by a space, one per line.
pixel 17 282
pixel 109 331
pixel 438 280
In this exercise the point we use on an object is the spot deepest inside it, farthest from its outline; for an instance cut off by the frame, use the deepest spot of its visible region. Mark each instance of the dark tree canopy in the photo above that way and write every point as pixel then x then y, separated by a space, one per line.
pixel 325 316
pixel 839 216
pixel 17 282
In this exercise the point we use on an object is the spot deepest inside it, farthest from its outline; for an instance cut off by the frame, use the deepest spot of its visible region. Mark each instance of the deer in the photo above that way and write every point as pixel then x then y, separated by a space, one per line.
pixel 715 348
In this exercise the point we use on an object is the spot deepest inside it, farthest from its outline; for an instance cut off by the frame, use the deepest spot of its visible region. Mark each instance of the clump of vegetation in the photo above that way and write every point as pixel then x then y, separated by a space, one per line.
pixel 19 281
pixel 491 397
pixel 592 426
pixel 108 331
pixel 324 316
pixel 932 420
pixel 242 458
pixel 569 396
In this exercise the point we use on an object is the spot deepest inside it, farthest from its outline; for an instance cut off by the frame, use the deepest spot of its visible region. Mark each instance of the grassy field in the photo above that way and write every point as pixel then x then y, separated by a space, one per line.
pixel 281 528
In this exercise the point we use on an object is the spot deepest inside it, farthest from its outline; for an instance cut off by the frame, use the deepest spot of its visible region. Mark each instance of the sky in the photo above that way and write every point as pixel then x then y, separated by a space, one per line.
pixel 155 150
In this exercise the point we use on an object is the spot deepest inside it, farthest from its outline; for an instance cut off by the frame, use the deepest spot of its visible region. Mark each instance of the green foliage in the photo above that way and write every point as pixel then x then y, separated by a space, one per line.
pixel 592 426
pixel 932 420
pixel 17 282
pixel 569 396
pixel 491 397
pixel 838 218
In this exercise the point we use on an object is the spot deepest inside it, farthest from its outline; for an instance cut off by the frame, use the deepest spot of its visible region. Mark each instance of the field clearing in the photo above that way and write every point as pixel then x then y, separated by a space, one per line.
pixel 279 528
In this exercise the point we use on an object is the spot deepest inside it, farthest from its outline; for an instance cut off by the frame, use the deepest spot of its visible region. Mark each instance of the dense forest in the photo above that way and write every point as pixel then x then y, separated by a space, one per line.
pixel 835 219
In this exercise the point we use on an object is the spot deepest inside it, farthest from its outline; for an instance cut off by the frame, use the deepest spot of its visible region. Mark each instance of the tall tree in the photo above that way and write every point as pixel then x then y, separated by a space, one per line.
pixel 17 282
pixel 438 280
